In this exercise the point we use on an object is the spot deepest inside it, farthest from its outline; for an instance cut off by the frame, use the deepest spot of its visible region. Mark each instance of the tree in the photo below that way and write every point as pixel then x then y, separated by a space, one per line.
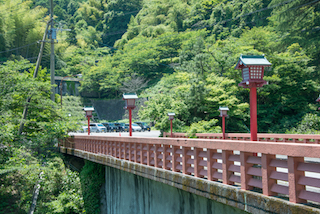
pixel 291 90
pixel 134 84
pixel 303 29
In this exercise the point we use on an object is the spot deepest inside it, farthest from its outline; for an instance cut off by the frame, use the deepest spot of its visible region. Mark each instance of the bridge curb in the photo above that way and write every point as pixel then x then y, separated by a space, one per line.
pixel 249 201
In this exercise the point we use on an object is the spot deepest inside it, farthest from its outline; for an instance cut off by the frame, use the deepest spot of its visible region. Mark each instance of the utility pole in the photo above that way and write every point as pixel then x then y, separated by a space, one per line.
pixel 25 110
pixel 52 65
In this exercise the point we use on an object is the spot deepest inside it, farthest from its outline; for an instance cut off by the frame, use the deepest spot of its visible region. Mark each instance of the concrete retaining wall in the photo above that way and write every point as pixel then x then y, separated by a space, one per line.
pixel 114 109
pixel 129 193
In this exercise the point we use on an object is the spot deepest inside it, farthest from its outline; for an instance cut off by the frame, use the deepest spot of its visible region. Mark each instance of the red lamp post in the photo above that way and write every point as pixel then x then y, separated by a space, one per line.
pixel 223 114
pixel 252 73
pixel 88 111
pixel 130 99
pixel 171 117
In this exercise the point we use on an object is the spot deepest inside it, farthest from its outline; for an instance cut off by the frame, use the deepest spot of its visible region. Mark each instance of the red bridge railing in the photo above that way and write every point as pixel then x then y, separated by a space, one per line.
pixel 294 138
pixel 293 173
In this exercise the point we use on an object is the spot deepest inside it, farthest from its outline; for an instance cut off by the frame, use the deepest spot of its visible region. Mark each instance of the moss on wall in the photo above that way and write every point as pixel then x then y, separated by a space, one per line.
pixel 92 178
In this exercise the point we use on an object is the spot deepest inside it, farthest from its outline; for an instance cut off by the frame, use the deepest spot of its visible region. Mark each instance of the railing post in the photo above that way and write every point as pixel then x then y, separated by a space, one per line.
pixel 141 154
pixel 293 178
pixel 99 147
pixel 96 146
pixel 104 147
pixel 130 152
pixel 156 160
pixel 118 149
pixel 266 171
pixel 115 149
pixel 135 152
pixel 164 134
pixel 148 155
pixel 185 157
pixel 210 162
pixel 108 148
pixel 165 154
pixel 225 167
pixel 174 158
pixel 244 167
pixel 92 145
pixel 123 150
pixel 196 162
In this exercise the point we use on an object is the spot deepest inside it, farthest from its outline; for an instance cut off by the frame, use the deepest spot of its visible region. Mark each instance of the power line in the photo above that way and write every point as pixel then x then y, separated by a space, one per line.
pixel 23 26
pixel 106 34
pixel 6 10
pixel 13 49
pixel 30 58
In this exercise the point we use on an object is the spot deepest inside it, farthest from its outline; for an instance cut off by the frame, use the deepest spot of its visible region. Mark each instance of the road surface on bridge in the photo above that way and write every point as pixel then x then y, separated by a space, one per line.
pixel 122 134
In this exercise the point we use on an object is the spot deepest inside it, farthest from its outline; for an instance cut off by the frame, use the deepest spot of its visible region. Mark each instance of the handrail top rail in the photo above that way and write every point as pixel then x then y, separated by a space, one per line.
pixel 261 135
pixel 280 148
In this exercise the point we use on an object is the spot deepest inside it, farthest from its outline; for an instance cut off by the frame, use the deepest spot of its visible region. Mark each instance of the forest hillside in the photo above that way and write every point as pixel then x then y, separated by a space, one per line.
pixel 184 49
pixel 178 54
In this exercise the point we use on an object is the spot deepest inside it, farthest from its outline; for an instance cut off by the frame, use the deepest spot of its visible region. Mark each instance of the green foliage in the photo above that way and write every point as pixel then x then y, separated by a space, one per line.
pixel 291 92
pixel 310 124
pixel 20 25
pixel 60 187
pixel 92 177
pixel 61 192
pixel 22 156
pixel 204 127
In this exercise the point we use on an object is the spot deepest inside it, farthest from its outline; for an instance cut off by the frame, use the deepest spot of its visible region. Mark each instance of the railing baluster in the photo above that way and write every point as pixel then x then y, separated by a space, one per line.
pixel 293 178
pixel 244 167
pixel 266 171
pixel 118 150
pixel 196 162
pixel 185 157
pixel 141 153
pixel 135 152
pixel 156 153
pixel 225 167
pixel 130 151
pixel 210 162
pixel 148 155
pixel 114 149
pixel 108 148
pixel 175 155
pixel 165 154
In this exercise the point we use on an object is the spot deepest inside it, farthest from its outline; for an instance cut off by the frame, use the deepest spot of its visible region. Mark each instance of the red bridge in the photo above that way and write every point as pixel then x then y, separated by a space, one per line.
pixel 285 166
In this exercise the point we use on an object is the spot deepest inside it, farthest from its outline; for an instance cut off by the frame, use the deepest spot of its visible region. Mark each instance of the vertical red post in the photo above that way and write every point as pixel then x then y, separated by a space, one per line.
pixel 224 127
pixel 88 125
pixel 130 122
pixel 253 113
pixel 171 127
pixel 293 178
pixel 225 167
